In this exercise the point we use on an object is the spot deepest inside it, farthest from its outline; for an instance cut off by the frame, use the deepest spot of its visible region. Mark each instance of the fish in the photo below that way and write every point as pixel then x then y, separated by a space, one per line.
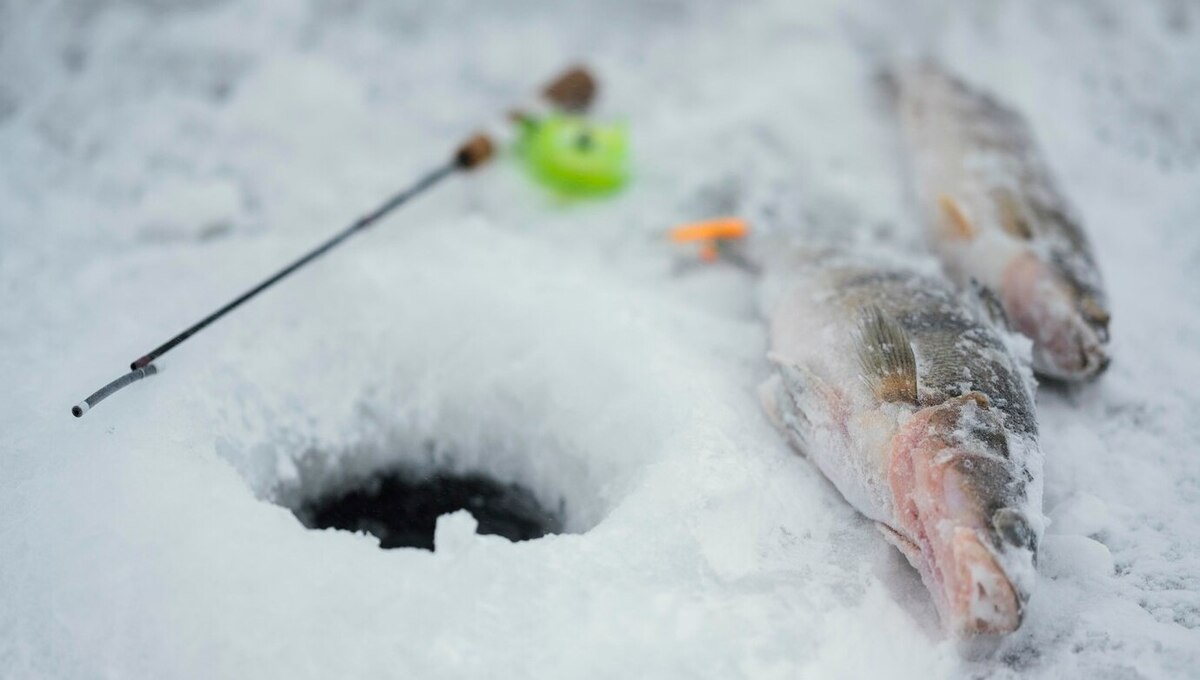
pixel 998 221
pixel 900 389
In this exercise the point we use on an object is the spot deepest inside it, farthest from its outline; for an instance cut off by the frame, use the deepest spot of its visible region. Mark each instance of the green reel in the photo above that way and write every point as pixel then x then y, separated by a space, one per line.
pixel 574 156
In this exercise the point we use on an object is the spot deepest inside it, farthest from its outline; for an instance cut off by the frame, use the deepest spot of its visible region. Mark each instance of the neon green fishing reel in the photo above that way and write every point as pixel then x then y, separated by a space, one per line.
pixel 575 156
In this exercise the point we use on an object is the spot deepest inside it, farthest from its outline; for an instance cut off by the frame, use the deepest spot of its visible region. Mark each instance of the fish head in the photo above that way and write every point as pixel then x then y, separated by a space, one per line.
pixel 1065 315
pixel 958 498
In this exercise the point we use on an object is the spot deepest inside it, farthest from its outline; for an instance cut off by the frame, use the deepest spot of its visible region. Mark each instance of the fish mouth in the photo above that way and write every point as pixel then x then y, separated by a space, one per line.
pixel 980 596
pixel 1069 329
pixel 1069 350
pixel 973 594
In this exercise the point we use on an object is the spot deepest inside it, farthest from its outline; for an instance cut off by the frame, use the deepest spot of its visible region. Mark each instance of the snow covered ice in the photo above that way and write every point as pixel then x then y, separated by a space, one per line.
pixel 157 157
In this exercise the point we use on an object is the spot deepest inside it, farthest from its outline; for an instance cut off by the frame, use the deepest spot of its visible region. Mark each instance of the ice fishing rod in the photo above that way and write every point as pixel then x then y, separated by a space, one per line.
pixel 570 91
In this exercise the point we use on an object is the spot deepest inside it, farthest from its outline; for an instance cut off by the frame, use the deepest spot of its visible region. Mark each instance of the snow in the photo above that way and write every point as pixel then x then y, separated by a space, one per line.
pixel 455 532
pixel 158 156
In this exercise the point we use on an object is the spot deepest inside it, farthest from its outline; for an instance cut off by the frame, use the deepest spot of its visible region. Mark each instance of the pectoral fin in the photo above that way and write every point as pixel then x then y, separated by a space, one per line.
pixel 768 396
pixel 954 218
pixel 886 357
pixel 799 382
pixel 905 546
pixel 788 397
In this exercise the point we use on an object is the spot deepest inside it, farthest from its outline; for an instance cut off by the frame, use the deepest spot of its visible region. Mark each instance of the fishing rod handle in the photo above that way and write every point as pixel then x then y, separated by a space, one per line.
pixel 572 90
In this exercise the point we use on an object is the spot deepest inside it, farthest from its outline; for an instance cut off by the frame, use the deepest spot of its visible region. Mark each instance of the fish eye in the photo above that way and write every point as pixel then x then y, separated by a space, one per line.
pixel 1012 528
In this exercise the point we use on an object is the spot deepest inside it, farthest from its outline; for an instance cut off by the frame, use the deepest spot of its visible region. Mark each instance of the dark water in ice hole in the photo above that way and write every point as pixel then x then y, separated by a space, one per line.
pixel 402 511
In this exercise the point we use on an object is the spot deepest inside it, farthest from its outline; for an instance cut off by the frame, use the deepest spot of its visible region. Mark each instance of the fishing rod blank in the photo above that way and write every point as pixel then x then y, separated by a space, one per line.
pixel 573 90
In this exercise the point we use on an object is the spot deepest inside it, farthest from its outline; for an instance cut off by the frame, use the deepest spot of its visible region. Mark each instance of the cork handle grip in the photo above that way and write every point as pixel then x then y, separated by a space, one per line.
pixel 474 152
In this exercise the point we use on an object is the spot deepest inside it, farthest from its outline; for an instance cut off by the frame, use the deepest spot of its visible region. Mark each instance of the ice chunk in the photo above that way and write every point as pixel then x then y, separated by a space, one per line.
pixel 1079 556
pixel 455 532
pixel 1082 514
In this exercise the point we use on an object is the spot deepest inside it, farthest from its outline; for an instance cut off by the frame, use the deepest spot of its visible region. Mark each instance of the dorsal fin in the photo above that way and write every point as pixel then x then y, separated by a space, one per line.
pixel 886 358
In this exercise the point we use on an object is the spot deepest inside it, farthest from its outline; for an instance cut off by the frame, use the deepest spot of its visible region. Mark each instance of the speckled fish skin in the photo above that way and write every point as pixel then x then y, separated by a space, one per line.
pixel 997 219
pixel 944 460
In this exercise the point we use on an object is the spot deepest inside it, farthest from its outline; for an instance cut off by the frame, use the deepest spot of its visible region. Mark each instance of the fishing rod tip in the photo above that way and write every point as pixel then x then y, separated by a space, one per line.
pixel 101 394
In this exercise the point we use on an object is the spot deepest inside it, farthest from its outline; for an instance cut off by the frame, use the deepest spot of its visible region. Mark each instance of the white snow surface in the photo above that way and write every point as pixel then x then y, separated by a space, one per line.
pixel 159 156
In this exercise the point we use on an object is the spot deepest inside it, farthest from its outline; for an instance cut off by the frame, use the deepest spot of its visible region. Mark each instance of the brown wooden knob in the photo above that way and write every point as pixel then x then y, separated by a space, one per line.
pixel 573 90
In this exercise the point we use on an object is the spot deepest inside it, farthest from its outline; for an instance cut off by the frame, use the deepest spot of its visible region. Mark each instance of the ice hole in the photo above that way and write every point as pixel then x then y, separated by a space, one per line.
pixel 401 509
pixel 394 478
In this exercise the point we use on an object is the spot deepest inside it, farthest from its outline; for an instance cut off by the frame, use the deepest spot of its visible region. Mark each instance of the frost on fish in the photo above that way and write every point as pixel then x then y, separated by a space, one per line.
pixel 906 396
pixel 998 220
